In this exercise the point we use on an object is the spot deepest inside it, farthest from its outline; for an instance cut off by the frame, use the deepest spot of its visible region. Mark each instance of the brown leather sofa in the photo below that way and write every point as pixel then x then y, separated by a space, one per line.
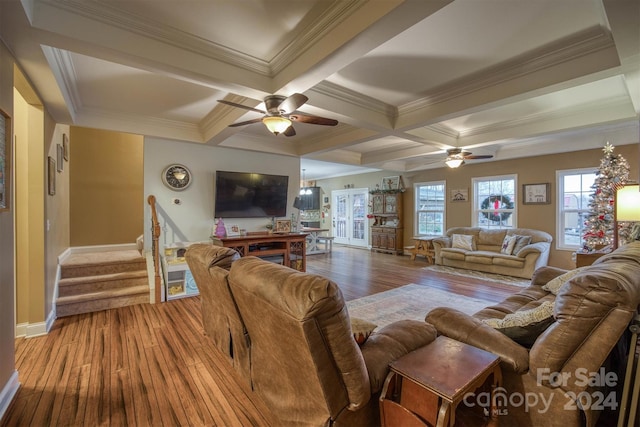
pixel 486 256
pixel 289 335
pixel 592 310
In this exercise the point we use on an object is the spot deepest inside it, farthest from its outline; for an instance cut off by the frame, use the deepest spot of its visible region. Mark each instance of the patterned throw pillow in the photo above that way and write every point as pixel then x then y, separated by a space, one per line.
pixel 463 241
pixel 556 283
pixel 525 326
pixel 507 245
pixel 521 242
pixel 361 329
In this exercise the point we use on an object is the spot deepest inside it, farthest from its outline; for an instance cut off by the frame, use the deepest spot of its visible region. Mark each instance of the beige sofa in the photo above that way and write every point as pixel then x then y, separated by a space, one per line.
pixel 485 253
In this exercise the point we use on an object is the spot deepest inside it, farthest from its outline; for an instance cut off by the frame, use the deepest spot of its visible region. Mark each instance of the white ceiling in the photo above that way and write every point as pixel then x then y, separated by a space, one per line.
pixel 405 79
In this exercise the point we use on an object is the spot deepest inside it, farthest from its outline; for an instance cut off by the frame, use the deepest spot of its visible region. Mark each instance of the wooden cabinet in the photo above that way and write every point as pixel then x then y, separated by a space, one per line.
pixel 387 230
pixel 282 248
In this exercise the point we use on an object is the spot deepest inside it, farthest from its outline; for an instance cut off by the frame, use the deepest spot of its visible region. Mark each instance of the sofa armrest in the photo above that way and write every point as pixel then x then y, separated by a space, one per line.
pixel 467 329
pixel 439 243
pixel 544 275
pixel 536 248
pixel 390 343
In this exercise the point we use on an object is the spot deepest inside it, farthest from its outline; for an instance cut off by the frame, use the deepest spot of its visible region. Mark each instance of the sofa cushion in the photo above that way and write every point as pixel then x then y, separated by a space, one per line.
pixel 479 257
pixel 556 283
pixel 463 241
pixel 507 245
pixel 453 253
pixel 508 261
pixel 491 237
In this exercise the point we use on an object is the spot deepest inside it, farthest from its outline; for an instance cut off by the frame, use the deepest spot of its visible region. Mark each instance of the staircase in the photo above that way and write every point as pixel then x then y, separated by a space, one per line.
pixel 97 281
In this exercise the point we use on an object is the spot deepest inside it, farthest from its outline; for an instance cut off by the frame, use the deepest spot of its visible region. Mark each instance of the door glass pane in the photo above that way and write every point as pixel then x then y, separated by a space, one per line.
pixel 341 216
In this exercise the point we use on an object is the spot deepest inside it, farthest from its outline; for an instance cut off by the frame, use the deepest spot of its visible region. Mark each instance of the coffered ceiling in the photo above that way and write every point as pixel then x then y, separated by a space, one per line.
pixel 405 79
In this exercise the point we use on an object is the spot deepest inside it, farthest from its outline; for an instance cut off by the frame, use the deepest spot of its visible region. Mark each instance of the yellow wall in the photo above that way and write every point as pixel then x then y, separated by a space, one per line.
pixel 106 187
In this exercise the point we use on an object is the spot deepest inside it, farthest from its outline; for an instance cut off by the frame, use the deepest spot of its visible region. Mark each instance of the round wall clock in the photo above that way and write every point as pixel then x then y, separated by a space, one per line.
pixel 176 177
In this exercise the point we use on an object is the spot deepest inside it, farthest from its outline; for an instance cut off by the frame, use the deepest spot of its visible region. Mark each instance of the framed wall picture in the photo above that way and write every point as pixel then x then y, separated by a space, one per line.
pixel 51 173
pixel 391 183
pixel 460 195
pixel 59 158
pixel 5 160
pixel 65 146
pixel 283 226
pixel 536 194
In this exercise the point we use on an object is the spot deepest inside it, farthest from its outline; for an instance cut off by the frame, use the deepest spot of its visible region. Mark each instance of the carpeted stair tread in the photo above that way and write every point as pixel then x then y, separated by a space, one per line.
pixel 101 263
pixel 103 277
pixel 90 296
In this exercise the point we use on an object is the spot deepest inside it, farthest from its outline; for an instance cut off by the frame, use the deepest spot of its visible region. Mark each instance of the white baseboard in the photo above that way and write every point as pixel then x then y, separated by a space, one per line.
pixel 8 393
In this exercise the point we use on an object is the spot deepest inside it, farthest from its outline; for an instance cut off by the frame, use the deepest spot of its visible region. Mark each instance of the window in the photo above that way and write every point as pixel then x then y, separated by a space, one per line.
pixel 574 194
pixel 494 201
pixel 429 197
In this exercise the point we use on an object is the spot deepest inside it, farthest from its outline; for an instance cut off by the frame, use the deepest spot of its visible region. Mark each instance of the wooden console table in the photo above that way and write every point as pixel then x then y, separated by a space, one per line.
pixel 289 247
pixel 425 386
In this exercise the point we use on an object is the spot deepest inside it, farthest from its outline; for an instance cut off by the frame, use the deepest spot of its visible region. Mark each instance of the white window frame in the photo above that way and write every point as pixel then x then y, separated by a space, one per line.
pixel 417 210
pixel 560 211
pixel 476 202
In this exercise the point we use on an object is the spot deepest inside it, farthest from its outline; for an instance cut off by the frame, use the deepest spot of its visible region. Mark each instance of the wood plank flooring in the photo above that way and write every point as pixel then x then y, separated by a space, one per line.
pixel 151 365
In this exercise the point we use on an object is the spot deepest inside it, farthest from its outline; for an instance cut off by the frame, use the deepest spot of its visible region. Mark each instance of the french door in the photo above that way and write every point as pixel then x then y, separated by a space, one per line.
pixel 349 216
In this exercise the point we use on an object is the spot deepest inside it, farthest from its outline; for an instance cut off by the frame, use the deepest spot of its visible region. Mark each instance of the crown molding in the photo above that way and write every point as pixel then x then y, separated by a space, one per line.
pixel 343 94
pixel 587 42
pixel 61 65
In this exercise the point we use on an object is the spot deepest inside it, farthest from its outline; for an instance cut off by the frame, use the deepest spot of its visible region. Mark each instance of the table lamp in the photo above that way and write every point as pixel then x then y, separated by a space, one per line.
pixel 627 207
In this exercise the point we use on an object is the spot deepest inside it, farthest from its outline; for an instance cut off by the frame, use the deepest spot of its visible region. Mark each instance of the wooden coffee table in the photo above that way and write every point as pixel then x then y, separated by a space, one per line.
pixel 425 386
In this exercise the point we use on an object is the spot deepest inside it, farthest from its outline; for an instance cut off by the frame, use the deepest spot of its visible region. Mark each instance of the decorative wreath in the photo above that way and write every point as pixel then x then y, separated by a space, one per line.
pixel 496 202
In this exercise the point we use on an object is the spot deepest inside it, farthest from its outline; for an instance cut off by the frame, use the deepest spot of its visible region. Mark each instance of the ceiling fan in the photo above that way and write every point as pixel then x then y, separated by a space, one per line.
pixel 281 112
pixel 457 156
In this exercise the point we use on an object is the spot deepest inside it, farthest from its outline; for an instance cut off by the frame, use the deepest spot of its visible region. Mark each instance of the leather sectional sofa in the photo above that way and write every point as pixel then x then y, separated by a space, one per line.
pixel 484 252
pixel 592 308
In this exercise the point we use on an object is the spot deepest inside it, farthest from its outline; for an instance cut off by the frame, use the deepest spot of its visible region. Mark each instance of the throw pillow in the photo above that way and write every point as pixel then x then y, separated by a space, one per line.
pixel 361 329
pixel 525 326
pixel 463 241
pixel 507 245
pixel 521 242
pixel 556 283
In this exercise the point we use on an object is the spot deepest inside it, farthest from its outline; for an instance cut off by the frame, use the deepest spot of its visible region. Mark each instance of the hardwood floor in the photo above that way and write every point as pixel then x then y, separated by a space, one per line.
pixel 151 365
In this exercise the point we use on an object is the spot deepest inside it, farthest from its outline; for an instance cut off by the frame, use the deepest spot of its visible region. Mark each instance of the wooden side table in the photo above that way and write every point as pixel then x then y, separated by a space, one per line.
pixel 423 246
pixel 425 386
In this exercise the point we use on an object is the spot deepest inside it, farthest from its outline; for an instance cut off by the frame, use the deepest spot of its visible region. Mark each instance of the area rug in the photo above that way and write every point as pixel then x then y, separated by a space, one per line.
pixel 509 280
pixel 409 302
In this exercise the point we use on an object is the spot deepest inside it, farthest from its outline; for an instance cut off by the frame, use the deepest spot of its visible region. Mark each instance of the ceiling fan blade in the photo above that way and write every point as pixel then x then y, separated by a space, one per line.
pixel 481 156
pixel 233 104
pixel 314 120
pixel 247 122
pixel 292 103
pixel 290 131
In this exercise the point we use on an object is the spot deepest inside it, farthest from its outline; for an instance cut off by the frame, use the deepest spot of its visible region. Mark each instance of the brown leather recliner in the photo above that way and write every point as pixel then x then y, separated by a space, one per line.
pixel 305 363
pixel 209 265
pixel 592 311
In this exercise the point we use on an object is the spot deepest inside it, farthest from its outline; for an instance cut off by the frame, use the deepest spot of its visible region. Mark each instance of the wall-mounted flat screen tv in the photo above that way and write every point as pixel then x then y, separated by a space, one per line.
pixel 250 195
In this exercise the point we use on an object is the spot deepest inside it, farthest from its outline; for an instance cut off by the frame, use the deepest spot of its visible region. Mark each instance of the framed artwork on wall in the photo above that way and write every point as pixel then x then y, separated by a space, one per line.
pixel 536 194
pixel 5 160
pixel 59 158
pixel 460 195
pixel 391 183
pixel 51 172
pixel 65 146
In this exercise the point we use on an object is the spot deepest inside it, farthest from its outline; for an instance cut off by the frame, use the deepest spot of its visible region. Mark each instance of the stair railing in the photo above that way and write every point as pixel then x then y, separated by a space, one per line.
pixel 155 247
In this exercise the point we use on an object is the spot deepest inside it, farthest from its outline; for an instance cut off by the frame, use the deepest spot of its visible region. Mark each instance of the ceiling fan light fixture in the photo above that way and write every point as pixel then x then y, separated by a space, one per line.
pixel 453 162
pixel 276 124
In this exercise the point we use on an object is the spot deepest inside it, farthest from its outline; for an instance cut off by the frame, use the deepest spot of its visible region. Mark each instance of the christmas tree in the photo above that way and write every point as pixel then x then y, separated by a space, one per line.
pixel 612 174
